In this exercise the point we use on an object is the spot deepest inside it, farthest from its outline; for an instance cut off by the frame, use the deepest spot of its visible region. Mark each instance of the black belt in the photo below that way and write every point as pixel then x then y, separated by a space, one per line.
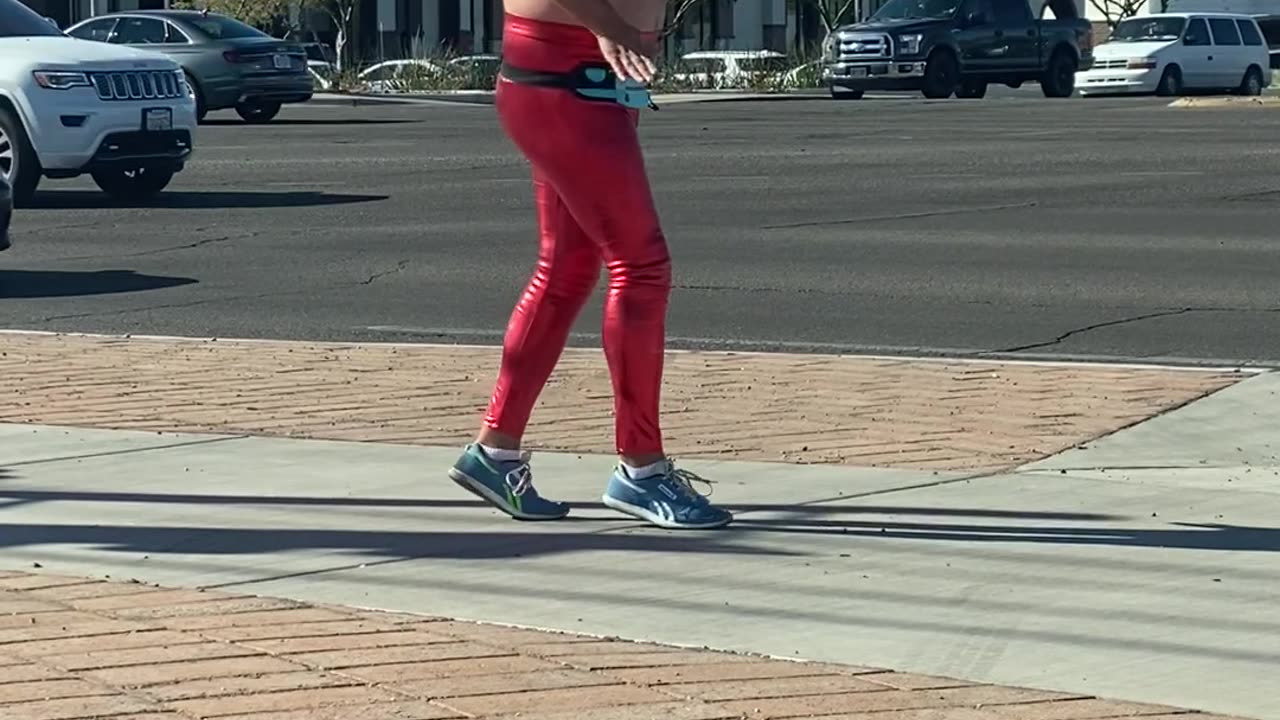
pixel 590 81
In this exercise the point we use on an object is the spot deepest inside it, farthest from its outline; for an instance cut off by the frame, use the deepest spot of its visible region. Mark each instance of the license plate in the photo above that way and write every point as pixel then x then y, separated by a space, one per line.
pixel 857 72
pixel 282 62
pixel 157 119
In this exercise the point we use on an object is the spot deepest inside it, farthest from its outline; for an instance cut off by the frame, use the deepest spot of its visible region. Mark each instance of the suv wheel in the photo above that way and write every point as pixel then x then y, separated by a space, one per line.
pixel 18 162
pixel 257 111
pixel 133 184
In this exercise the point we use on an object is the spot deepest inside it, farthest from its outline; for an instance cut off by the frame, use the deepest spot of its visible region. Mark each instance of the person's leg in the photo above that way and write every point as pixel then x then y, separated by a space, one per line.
pixel 568 269
pixel 606 188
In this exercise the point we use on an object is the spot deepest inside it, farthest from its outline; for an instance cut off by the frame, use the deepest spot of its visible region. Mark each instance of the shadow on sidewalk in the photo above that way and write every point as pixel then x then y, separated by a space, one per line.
pixel 832 519
pixel 267 500
pixel 70 283
pixel 462 545
pixel 1186 536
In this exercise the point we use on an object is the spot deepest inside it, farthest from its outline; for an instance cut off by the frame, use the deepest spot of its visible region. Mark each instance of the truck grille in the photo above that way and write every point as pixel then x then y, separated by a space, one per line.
pixel 137 85
pixel 863 47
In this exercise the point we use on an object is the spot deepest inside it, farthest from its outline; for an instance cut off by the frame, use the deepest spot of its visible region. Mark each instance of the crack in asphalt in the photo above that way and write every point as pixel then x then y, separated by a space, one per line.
pixel 1123 321
pixel 173 248
pixel 233 298
pixel 400 266
pixel 902 216
pixel 68 226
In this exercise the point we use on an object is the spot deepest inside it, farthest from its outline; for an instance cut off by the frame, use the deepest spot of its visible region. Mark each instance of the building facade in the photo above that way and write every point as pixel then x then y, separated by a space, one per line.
pixel 387 29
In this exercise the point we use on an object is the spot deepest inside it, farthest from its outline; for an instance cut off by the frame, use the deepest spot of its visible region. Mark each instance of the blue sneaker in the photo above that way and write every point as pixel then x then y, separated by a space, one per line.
pixel 667 500
pixel 507 486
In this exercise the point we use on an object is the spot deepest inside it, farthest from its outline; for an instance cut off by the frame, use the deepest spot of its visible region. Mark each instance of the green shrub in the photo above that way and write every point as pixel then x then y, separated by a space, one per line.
pixel 798 71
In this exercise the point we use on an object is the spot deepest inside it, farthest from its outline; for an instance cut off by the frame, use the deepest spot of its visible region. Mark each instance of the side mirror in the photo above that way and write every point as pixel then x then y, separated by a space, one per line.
pixel 975 18
pixel 51 21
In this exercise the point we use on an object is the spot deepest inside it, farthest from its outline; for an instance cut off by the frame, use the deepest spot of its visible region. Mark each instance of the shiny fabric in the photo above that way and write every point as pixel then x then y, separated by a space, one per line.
pixel 595 209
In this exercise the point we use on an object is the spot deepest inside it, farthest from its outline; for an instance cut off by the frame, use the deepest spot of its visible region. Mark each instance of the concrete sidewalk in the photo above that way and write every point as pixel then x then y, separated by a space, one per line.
pixel 1140 566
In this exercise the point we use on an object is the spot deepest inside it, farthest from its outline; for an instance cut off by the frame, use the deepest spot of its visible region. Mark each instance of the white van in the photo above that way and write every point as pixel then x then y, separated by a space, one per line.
pixel 1168 53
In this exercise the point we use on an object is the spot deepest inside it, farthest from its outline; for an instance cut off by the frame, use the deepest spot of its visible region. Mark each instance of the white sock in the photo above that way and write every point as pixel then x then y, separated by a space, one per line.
pixel 500 454
pixel 640 473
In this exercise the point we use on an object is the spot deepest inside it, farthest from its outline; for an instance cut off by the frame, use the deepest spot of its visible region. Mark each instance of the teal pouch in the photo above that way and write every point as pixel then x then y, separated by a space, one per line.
pixel 599 83
pixel 590 82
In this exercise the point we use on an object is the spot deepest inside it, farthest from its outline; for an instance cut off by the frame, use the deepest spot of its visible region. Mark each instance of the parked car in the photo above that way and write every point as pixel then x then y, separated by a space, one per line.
pixel 397 75
pixel 1168 53
pixel 228 64
pixel 6 213
pixel 728 68
pixel 70 107
pixel 946 47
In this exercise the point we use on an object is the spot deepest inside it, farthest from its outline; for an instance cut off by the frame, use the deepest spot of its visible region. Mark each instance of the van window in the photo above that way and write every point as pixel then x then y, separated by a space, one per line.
pixel 1225 32
pixel 1197 33
pixel 1250 33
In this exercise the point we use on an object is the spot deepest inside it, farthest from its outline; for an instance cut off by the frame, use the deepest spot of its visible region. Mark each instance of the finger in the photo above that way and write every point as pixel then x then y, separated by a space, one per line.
pixel 617 63
pixel 637 67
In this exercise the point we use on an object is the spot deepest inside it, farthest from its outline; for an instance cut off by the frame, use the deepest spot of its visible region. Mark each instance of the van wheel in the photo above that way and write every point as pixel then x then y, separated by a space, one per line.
pixel 1252 83
pixel 1059 79
pixel 1170 82
pixel 941 76
pixel 18 162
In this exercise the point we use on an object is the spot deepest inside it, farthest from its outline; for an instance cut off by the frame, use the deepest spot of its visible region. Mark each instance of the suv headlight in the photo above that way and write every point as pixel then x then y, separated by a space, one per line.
pixel 829 47
pixel 910 44
pixel 60 79
pixel 1146 63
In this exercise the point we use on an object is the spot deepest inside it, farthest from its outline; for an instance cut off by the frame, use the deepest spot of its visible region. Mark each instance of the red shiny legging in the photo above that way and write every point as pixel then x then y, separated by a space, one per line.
pixel 594 208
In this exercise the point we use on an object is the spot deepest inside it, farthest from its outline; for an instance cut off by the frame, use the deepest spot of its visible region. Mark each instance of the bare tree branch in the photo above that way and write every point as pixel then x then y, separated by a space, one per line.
pixel 1116 11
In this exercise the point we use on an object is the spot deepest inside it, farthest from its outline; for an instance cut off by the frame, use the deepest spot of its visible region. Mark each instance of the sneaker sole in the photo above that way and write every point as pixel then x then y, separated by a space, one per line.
pixel 480 490
pixel 650 517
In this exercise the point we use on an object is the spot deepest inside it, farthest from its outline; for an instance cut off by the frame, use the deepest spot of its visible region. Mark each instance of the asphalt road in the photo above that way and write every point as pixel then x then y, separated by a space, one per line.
pixel 1109 228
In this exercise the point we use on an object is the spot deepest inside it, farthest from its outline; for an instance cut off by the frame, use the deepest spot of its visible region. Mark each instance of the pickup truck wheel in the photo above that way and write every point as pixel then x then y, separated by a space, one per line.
pixel 941 76
pixel 972 90
pixel 845 94
pixel 18 162
pixel 258 112
pixel 1170 82
pixel 1252 83
pixel 1059 79
pixel 133 184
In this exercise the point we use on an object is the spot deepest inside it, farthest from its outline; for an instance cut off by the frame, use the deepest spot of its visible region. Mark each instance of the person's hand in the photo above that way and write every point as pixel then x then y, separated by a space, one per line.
pixel 630 58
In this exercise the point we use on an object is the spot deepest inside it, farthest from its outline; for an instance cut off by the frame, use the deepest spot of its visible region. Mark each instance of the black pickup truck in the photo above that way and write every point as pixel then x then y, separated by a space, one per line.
pixel 945 47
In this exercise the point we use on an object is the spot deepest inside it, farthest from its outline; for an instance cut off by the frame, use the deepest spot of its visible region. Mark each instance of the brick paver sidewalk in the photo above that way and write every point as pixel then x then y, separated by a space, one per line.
pixel 795 408
pixel 74 648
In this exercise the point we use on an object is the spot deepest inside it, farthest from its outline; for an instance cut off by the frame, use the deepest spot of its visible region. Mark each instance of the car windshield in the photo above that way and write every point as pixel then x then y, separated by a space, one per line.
pixel 17 20
pixel 220 27
pixel 909 9
pixel 1146 29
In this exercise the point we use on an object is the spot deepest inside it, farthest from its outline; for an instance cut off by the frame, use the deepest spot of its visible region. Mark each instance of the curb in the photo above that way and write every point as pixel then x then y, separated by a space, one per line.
pixel 1227 101
pixel 927 359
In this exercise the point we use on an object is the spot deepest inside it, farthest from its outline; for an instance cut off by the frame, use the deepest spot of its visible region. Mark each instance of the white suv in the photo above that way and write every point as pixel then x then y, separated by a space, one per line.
pixel 70 107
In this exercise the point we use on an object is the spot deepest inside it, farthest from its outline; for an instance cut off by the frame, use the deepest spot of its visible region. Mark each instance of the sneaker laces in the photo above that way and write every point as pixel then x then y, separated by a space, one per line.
pixel 684 479
pixel 520 478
